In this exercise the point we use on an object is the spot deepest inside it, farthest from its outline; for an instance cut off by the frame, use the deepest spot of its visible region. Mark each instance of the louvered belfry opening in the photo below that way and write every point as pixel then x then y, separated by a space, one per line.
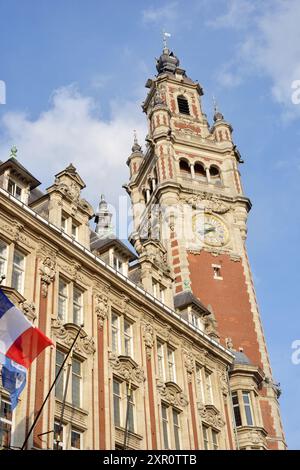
pixel 183 105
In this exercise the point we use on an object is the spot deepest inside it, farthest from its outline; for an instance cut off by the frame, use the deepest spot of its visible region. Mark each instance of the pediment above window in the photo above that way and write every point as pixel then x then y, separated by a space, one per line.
pixel 172 394
pixel 126 368
pixel 211 415
pixel 65 335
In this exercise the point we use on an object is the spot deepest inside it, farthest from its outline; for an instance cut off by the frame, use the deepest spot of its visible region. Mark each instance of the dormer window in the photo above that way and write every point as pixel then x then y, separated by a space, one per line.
pixel 183 105
pixel 74 230
pixel 64 223
pixel 14 189
pixel 117 263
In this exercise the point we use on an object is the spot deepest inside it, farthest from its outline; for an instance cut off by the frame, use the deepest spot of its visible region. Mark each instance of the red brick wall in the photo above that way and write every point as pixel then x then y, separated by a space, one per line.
pixel 230 302
pixel 229 299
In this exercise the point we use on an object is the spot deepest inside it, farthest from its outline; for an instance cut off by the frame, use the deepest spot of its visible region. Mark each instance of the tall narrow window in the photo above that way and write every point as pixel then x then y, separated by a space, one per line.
pixel 3 258
pixel 76 382
pixel 76 438
pixel 209 392
pixel 183 105
pixel 176 426
pixel 59 386
pixel 248 410
pixel 171 365
pixel 199 384
pixel 77 306
pixel 130 404
pixel 160 360
pixel 236 409
pixel 115 329
pixel 18 271
pixel 165 424
pixel 62 300
pixel 14 189
pixel 184 168
pixel 127 338
pixel 117 402
pixel 58 438
pixel 74 230
pixel 64 223
pixel 215 441
pixel 5 423
pixel 205 437
pixel 194 319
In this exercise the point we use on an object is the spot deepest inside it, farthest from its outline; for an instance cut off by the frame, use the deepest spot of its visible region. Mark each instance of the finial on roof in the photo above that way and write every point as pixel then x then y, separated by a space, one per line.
pixel 165 36
pixel 71 168
pixel 136 146
pixel 218 116
pixel 13 151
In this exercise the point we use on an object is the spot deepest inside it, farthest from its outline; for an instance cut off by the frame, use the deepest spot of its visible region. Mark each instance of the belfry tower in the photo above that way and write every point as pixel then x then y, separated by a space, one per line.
pixel 190 164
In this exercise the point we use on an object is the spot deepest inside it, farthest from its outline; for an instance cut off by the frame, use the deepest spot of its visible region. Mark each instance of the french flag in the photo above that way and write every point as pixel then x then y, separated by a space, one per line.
pixel 19 339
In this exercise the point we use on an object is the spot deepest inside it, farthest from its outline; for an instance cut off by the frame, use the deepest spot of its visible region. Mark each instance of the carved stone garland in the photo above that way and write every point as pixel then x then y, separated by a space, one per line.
pixel 47 272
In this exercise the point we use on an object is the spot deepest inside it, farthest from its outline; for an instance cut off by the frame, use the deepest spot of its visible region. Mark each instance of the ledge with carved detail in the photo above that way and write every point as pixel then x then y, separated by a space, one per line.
pixel 72 414
pixel 210 415
pixel 133 440
pixel 252 436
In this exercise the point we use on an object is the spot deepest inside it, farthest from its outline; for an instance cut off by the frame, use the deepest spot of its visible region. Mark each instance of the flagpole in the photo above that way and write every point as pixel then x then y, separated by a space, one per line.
pixel 51 388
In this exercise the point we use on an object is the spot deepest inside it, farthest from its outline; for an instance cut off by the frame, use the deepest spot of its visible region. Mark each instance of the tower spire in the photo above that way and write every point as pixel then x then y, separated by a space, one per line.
pixel 103 220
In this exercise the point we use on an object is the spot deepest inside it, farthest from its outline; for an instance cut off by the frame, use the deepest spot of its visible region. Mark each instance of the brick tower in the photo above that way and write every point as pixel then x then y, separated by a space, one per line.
pixel 186 192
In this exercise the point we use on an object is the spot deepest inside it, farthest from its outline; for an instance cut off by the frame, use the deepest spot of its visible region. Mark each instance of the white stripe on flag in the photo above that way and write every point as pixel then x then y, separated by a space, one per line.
pixel 12 324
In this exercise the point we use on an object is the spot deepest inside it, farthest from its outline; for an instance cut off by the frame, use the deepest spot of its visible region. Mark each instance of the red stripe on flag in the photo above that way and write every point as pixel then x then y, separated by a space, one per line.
pixel 28 346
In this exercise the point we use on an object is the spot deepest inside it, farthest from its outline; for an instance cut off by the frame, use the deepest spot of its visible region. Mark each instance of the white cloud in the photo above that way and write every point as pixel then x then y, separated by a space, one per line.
pixel 269 46
pixel 72 131
pixel 166 13
pixel 238 15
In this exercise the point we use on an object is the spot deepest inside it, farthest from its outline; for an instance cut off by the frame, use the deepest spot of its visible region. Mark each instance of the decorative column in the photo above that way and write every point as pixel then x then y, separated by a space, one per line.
pixel 47 273
pixel 101 310
pixel 190 366
pixel 149 341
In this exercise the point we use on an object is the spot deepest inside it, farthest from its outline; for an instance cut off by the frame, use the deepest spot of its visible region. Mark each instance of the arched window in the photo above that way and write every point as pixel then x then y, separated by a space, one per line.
pixel 200 172
pixel 215 176
pixel 183 105
pixel 184 168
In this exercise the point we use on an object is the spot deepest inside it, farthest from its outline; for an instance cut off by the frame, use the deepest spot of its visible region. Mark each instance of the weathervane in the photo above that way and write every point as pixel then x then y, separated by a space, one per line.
pixel 165 36
pixel 215 103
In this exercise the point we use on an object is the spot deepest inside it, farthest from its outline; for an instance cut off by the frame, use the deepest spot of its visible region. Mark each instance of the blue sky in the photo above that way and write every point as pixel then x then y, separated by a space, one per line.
pixel 75 72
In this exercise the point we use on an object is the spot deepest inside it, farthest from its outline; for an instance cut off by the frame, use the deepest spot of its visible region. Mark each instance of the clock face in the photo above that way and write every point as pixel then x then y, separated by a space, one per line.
pixel 211 230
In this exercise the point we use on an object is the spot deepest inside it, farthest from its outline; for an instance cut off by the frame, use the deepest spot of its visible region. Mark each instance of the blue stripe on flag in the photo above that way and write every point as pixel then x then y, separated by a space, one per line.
pixel 13 380
pixel 5 304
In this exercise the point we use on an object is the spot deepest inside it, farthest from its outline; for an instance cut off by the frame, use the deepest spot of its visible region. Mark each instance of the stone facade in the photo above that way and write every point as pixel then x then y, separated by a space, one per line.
pixel 153 368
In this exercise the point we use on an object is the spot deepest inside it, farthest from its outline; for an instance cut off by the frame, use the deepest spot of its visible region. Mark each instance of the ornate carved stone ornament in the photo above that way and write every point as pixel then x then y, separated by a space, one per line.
pixel 211 415
pixel 201 356
pixel 189 363
pixel 29 310
pixel 223 382
pixel 71 191
pixel 47 272
pixel 101 306
pixel 65 334
pixel 148 338
pixel 72 269
pixel 209 202
pixel 126 368
pixel 172 394
pixel 14 231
